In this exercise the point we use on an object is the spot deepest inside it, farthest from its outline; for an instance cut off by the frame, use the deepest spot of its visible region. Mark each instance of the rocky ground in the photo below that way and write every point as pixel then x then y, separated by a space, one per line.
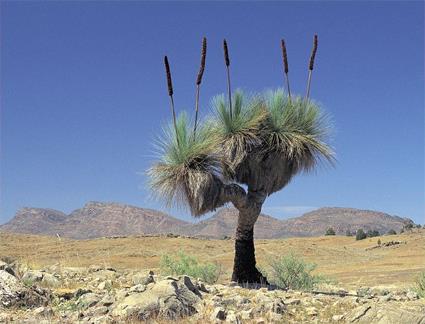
pixel 105 295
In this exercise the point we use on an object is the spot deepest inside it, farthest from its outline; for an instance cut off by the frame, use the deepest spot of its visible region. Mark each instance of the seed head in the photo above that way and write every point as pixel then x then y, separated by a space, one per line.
pixel 285 56
pixel 226 53
pixel 313 53
pixel 168 72
pixel 203 57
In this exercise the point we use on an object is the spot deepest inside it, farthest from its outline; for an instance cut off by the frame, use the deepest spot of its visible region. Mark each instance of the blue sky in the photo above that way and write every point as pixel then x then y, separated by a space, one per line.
pixel 83 95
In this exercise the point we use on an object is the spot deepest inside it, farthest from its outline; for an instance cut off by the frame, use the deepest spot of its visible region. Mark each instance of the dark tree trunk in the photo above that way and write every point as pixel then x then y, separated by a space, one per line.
pixel 244 268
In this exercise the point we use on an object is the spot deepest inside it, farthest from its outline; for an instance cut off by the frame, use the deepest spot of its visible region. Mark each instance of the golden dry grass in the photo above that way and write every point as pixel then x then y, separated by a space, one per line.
pixel 342 258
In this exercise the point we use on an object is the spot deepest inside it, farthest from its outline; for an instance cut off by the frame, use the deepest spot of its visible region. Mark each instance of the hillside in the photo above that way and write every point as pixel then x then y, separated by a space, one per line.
pixel 95 219
pixel 343 258
pixel 114 280
pixel 341 219
pixel 98 219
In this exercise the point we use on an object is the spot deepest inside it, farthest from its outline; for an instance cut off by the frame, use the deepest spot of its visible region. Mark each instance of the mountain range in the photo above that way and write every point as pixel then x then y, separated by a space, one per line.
pixel 99 219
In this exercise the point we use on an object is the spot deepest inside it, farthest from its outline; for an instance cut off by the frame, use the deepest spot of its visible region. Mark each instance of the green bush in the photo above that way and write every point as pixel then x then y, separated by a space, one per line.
pixel 360 235
pixel 348 233
pixel 372 233
pixel 183 264
pixel 420 285
pixel 392 232
pixel 408 226
pixel 330 231
pixel 292 272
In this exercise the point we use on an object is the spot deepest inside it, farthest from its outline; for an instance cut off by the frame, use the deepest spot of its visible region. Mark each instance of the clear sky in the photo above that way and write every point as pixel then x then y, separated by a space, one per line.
pixel 83 94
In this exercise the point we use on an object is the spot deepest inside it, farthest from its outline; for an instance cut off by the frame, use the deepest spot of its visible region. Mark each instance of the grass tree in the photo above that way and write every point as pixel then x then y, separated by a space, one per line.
pixel 240 156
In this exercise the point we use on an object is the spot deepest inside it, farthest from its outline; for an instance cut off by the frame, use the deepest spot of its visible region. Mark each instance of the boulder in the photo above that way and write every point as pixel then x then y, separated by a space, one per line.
pixel 218 314
pixel 170 299
pixel 105 285
pixel 50 280
pixel 88 300
pixel 398 313
pixel 143 279
pixel 15 293
pixel 32 276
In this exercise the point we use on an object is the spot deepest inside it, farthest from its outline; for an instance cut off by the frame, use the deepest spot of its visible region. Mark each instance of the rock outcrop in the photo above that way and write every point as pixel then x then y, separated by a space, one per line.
pixel 106 295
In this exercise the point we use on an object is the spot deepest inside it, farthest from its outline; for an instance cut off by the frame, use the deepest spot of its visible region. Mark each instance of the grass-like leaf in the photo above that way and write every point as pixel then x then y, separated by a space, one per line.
pixel 239 132
pixel 297 129
pixel 189 169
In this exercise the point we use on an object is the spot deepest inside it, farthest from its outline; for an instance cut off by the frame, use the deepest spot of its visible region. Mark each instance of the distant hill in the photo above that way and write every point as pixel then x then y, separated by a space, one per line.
pixel 98 219
pixel 95 219
pixel 316 222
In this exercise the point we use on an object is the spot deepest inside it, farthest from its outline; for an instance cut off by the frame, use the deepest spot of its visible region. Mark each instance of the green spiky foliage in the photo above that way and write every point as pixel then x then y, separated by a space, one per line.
pixel 297 129
pixel 239 132
pixel 189 170
pixel 266 141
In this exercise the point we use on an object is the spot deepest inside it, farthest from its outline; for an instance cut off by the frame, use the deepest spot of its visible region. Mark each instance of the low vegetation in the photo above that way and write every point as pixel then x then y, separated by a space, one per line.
pixel 330 231
pixel 292 272
pixel 360 235
pixel 183 264
pixel 372 233
pixel 420 285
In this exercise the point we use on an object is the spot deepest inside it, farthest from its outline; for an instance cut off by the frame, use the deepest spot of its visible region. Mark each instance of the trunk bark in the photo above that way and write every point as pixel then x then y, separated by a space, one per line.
pixel 244 268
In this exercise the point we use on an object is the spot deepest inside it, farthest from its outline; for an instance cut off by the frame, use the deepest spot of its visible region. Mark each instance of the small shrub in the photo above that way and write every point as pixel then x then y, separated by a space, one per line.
pixel 408 226
pixel 292 272
pixel 348 233
pixel 418 226
pixel 420 285
pixel 379 241
pixel 372 233
pixel 360 235
pixel 330 231
pixel 392 232
pixel 183 264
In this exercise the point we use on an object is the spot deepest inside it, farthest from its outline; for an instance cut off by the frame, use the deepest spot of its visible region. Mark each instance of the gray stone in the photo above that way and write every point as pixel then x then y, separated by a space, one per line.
pixel 3 265
pixel 278 306
pixel 14 293
pixel 137 288
pixel 246 314
pixel 311 311
pixel 189 284
pixel 201 287
pixel 143 279
pixel 337 318
pixel 385 298
pixel 293 301
pixel 359 312
pixel 218 313
pixel 32 276
pixel 88 300
pixel 107 300
pixel 80 291
pixel 232 318
pixel 411 295
pixel 43 311
pixel 101 310
pixel 107 284
pixel 50 280
pixel 168 298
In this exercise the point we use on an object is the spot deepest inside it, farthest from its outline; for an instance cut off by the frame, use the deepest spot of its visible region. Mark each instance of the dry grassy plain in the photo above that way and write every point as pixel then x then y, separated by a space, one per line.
pixel 342 258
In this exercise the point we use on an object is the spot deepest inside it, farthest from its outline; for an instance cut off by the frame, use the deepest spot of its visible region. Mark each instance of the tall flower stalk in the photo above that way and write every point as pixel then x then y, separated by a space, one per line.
pixel 227 62
pixel 170 93
pixel 310 67
pixel 198 82
pixel 285 66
